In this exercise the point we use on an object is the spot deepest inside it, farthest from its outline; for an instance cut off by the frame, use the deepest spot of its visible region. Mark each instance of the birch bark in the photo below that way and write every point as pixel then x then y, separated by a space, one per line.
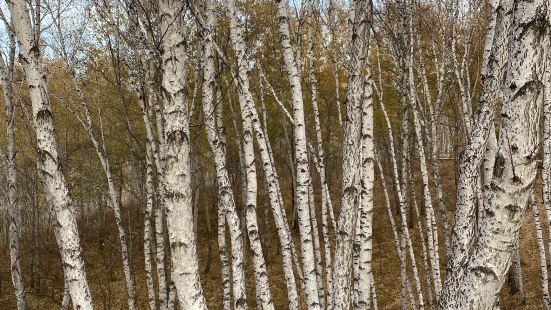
pixel 432 231
pixel 546 167
pixel 360 22
pixel 218 148
pixel 14 213
pixel 148 231
pixel 541 251
pixel 402 210
pixel 301 159
pixel 179 214
pixel 57 194
pixel 86 121
pixel 320 162
pixel 248 111
pixel 515 167
pixel 480 139
pixel 364 235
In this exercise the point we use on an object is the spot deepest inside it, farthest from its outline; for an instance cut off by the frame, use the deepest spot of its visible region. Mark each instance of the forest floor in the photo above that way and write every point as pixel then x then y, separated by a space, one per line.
pixel 104 268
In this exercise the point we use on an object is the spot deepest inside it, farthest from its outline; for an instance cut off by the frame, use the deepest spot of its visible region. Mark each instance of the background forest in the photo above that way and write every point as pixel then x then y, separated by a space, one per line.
pixel 332 158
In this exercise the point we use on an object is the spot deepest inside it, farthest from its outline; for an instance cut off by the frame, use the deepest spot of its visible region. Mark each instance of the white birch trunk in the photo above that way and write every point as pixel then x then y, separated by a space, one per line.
pixel 479 146
pixel 225 268
pixel 57 194
pixel 249 111
pixel 365 234
pixel 14 213
pixel 423 242
pixel 546 164
pixel 301 159
pixel 218 148
pixel 114 200
pixel 317 250
pixel 395 234
pixel 320 162
pixel 320 167
pixel 515 167
pixel 360 22
pixel 160 204
pixel 148 231
pixel 432 229
pixel 433 145
pixel 515 273
pixel 149 214
pixel 179 214
pixel 401 203
pixel 541 251
pixel 66 298
pixel 150 99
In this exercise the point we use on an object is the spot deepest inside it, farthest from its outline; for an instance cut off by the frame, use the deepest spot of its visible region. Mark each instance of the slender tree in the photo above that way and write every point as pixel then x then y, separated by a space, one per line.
pixel 6 78
pixel 359 22
pixel 57 193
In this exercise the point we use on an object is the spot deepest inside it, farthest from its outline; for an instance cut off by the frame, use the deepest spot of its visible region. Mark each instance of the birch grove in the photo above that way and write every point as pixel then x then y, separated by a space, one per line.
pixel 203 154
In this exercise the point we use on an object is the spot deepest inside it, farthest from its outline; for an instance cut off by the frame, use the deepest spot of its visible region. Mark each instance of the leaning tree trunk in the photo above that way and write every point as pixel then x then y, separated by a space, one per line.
pixel 514 171
pixel 145 86
pixel 86 122
pixel 179 214
pixel 546 167
pixel 432 229
pixel 158 214
pixel 57 193
pixel 14 215
pixel 150 197
pixel 400 193
pixel 480 141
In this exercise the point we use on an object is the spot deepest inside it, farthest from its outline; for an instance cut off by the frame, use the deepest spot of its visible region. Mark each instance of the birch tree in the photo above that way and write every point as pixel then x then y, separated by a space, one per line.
pixel 541 251
pixel 494 55
pixel 218 148
pixel 301 158
pixel 515 166
pixel 359 21
pixel 6 78
pixel 249 112
pixel 364 236
pixel 179 213
pixel 320 161
pixel 57 194
pixel 85 119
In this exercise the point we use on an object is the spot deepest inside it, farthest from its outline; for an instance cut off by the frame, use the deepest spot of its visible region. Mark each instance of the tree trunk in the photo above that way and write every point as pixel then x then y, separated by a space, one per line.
pixel 514 171
pixel 360 23
pixel 248 110
pixel 301 159
pixel 179 213
pixel 218 148
pixel 49 167
pixel 464 221
pixel 364 236
pixel 14 213
pixel 541 251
